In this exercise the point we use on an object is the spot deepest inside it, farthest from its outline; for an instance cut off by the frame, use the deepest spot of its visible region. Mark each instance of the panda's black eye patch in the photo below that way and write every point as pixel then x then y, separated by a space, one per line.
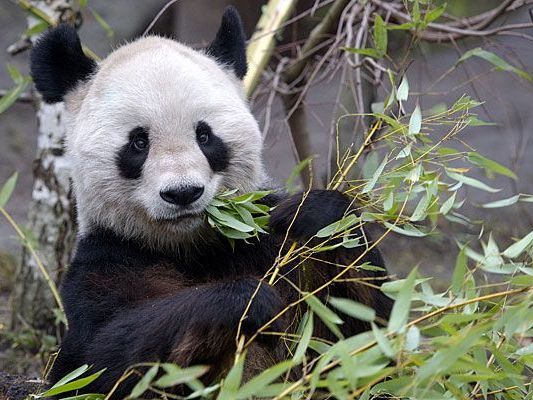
pixel 131 156
pixel 213 147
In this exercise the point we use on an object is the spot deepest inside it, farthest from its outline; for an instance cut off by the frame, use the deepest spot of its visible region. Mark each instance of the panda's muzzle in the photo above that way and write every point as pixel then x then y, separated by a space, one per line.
pixel 182 196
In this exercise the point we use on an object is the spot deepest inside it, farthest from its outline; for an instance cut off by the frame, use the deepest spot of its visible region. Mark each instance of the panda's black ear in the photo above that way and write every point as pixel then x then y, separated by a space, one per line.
pixel 58 63
pixel 229 46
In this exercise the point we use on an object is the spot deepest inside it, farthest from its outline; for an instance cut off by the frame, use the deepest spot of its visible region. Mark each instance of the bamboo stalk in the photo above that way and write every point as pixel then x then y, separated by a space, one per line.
pixel 262 42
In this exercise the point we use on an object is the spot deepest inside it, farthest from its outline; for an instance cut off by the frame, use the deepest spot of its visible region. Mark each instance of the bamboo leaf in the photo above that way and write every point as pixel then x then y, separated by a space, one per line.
pixel 519 247
pixel 145 381
pixel 7 189
pixel 415 121
pixel 258 383
pixel 364 52
pixel 353 309
pixel 380 35
pixel 471 182
pixel 370 184
pixel 402 305
pixel 490 165
pixel 403 90
pixel 175 375
pixel 231 383
pixel 459 272
pixel 502 203
pixel 495 60
pixel 68 386
pixel 305 339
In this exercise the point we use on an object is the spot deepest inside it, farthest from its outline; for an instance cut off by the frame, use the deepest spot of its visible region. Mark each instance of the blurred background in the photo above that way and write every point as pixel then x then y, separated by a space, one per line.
pixel 508 103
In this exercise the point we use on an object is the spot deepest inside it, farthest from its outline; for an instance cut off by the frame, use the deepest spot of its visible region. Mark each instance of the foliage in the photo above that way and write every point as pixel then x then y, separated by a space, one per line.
pixel 240 217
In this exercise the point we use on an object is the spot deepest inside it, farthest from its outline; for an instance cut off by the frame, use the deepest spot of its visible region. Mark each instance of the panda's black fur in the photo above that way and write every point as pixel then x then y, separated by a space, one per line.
pixel 127 302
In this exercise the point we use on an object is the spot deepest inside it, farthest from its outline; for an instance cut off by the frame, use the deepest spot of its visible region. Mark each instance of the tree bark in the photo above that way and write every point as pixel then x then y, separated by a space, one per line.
pixel 51 214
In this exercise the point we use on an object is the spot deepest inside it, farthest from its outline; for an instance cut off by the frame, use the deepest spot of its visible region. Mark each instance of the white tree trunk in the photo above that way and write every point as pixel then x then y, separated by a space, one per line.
pixel 51 214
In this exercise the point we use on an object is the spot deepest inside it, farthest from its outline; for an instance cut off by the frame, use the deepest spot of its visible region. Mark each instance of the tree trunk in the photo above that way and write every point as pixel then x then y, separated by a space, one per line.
pixel 51 215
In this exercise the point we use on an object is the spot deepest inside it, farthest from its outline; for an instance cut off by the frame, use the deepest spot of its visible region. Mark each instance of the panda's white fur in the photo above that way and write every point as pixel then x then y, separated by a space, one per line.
pixel 169 87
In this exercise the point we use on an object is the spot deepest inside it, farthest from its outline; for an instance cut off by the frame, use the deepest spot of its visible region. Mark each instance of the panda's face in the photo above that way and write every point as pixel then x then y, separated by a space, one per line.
pixel 158 129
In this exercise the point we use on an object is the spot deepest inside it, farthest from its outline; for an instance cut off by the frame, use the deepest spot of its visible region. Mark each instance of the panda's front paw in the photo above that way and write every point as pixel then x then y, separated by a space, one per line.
pixel 264 307
pixel 319 209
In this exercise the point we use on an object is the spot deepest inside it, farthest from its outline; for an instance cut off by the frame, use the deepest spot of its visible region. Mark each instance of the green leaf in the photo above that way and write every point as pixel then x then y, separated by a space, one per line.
pixel 448 204
pixel 415 122
pixel 402 305
pixel 330 319
pixel 519 247
pixel 364 52
pixel 405 152
pixel 434 14
pixel 15 74
pixel 471 182
pixel 71 376
pixel 502 203
pixel 232 381
pixel 70 385
pixel 176 375
pixel 415 12
pixel 389 202
pixel 380 35
pixel 403 90
pixel 490 165
pixel 446 357
pixel 290 185
pixel 495 60
pixel 338 226
pixel 37 28
pixel 322 311
pixel 258 383
pixel 383 342
pixel 145 381
pixel 228 220
pixel 407 230
pixel 412 338
pixel 420 211
pixel 353 309
pixel 459 272
pixel 305 339
pixel 12 95
pixel 7 189
pixel 370 184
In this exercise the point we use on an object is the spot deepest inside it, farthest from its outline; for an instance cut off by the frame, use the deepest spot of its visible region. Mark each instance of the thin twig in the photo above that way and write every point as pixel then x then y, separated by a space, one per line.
pixel 158 15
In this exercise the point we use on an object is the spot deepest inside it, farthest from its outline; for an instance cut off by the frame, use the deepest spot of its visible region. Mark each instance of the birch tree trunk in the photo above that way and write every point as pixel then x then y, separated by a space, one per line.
pixel 51 214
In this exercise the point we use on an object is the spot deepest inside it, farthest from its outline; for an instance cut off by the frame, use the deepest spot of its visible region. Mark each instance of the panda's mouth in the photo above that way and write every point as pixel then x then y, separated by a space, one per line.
pixel 178 218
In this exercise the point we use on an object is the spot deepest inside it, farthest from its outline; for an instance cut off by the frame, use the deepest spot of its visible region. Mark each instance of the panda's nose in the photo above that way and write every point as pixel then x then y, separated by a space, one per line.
pixel 182 196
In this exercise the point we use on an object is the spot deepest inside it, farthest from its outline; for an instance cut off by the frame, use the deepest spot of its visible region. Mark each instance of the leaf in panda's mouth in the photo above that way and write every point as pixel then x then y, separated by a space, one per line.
pixel 240 217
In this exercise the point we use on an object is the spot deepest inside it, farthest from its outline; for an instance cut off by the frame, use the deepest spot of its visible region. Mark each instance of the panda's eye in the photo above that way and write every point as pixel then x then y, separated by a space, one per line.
pixel 203 138
pixel 140 144
pixel 203 133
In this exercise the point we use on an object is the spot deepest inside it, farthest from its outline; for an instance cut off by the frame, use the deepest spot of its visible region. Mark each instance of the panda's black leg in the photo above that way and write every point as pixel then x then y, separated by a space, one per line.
pixel 196 325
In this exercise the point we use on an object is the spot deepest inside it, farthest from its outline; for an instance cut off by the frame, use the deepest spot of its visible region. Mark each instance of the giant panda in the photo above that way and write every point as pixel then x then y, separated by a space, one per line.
pixel 157 129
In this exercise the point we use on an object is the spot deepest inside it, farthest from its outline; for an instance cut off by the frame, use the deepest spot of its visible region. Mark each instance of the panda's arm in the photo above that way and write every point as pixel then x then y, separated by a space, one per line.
pixel 299 217
pixel 196 325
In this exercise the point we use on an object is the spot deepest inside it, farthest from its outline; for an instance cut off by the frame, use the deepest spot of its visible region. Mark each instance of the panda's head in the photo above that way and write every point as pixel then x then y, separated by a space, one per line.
pixel 157 128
